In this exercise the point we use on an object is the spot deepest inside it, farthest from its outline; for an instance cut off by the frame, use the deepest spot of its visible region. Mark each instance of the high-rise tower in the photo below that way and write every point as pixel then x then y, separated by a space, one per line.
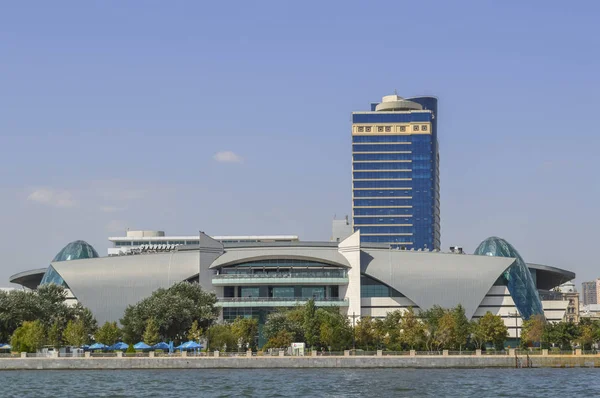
pixel 395 173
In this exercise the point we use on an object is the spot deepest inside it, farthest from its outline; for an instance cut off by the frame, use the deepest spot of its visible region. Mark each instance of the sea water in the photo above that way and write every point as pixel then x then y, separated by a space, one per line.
pixel 576 382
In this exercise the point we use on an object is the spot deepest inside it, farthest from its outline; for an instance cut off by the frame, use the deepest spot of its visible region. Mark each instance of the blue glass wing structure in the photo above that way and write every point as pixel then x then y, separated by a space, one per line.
pixel 73 251
pixel 518 278
pixel 51 276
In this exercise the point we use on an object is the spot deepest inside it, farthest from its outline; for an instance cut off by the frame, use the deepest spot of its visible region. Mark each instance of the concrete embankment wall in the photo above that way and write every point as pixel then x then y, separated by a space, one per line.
pixel 293 362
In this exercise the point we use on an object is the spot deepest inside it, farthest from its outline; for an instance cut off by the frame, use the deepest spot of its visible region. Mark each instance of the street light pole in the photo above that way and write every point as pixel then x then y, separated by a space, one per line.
pixel 516 314
pixel 353 332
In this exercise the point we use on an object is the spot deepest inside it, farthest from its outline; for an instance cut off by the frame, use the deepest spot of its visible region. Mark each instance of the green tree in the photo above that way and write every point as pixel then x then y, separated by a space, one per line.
pixel 46 304
pixel 366 333
pixel 564 334
pixel 151 335
pixel 462 328
pixel 282 339
pixel 532 330
pixel 222 338
pixel 55 335
pixel 380 332
pixel 412 332
pixel 174 310
pixel 431 319
pixel 335 331
pixel 288 320
pixel 586 336
pixel 84 314
pixel 493 330
pixel 589 333
pixel 476 334
pixel 195 332
pixel 108 334
pixel 311 324
pixel 446 330
pixel 29 337
pixel 246 332
pixel 75 333
pixel 390 330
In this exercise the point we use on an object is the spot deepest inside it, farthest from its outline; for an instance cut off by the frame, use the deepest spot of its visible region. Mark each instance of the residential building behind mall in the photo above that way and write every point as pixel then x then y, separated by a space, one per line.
pixel 589 292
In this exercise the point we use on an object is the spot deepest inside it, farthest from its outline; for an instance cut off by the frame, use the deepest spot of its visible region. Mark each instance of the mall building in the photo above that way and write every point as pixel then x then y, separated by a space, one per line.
pixel 253 278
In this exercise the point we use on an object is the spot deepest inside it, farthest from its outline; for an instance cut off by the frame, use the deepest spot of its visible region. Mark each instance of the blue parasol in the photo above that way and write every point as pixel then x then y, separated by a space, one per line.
pixel 119 346
pixel 141 346
pixel 97 346
pixel 161 346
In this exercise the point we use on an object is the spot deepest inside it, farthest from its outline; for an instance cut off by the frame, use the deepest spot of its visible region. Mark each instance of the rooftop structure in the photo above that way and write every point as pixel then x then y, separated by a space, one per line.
pixel 158 241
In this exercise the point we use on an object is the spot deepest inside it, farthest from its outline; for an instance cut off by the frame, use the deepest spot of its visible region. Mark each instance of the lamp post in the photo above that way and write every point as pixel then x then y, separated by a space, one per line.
pixel 516 315
pixel 353 332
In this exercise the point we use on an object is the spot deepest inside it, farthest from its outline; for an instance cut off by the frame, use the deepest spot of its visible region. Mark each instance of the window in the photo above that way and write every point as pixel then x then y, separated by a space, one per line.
pixel 361 129
pixel 51 276
pixel 283 291
pixel 381 148
pixel 362 157
pixel 416 127
pixel 424 127
pixel 246 291
pixel 382 202
pixel 383 166
pixel 372 139
pixel 380 129
pixel 370 287
pixel 388 129
pixel 368 129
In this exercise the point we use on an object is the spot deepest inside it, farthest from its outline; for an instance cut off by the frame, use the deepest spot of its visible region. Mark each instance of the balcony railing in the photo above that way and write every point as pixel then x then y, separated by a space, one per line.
pixel 549 295
pixel 267 299
pixel 287 301
pixel 292 274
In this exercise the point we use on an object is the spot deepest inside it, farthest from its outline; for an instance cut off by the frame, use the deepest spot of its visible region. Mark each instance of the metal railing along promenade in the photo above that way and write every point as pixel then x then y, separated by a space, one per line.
pixel 273 353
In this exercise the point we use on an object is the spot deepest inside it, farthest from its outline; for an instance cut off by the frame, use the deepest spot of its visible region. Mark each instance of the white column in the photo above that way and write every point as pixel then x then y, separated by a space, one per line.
pixel 350 249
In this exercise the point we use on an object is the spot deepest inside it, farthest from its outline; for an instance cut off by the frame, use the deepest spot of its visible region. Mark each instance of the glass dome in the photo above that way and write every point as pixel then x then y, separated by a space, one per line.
pixel 518 278
pixel 76 250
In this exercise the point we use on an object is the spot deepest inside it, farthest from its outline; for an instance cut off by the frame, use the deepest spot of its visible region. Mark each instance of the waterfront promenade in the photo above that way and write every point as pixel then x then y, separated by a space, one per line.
pixel 345 360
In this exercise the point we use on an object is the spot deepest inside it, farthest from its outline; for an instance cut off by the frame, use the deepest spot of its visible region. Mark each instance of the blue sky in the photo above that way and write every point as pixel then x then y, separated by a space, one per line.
pixel 112 113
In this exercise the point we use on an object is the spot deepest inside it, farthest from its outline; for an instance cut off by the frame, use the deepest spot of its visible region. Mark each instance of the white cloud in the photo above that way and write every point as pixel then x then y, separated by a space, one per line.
pixel 228 157
pixel 52 197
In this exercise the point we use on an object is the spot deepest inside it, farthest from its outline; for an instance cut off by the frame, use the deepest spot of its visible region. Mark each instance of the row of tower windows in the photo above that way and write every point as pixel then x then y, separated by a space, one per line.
pixel 388 129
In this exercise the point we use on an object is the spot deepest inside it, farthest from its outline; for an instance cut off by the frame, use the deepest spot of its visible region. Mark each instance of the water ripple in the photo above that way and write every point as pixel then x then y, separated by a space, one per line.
pixel 302 383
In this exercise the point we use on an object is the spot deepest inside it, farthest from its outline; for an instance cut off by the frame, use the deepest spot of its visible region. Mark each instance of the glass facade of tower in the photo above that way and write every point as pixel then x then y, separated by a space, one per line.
pixel 395 173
